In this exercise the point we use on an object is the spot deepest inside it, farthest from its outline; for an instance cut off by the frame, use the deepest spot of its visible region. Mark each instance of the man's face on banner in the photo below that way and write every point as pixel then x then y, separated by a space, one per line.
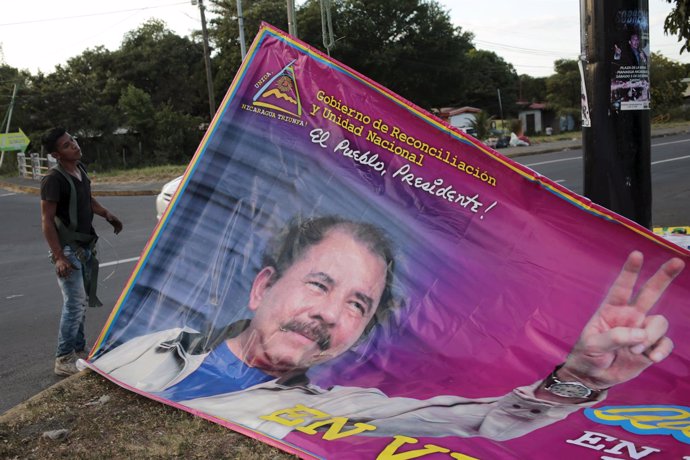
pixel 317 309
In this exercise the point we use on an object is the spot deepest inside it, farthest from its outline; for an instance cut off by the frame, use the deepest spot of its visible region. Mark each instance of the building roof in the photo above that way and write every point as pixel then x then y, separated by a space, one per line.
pixel 446 112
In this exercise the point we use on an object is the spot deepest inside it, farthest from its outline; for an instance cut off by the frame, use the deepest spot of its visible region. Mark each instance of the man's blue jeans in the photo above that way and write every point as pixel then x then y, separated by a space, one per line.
pixel 71 333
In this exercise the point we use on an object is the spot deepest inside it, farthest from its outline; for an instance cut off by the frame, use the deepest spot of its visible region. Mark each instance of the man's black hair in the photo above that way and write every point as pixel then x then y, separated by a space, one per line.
pixel 50 138
pixel 289 245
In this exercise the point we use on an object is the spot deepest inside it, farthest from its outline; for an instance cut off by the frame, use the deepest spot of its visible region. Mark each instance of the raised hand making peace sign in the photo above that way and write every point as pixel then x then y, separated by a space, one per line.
pixel 622 339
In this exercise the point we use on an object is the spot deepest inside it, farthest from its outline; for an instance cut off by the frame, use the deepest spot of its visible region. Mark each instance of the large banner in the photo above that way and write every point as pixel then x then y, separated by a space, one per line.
pixel 344 275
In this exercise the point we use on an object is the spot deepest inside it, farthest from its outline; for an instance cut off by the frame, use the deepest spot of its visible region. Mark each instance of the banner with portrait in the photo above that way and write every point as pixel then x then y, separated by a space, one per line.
pixel 344 275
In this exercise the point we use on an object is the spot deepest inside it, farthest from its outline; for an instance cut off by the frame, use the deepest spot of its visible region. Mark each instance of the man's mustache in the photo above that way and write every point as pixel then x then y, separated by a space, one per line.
pixel 314 331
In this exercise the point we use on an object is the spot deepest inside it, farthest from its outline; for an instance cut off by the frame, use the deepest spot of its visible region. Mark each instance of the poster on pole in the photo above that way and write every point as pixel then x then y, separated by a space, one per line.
pixel 343 275
pixel 630 60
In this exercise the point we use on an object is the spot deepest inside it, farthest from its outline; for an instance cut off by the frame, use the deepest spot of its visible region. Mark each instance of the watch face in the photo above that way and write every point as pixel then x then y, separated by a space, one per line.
pixel 570 390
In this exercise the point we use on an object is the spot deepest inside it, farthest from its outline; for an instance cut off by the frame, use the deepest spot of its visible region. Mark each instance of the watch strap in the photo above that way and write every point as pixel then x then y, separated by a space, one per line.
pixel 552 381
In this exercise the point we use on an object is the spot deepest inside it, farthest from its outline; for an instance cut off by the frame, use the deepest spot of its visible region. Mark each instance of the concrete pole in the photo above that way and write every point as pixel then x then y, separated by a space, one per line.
pixel 292 21
pixel 207 61
pixel 617 144
pixel 240 25
pixel 7 128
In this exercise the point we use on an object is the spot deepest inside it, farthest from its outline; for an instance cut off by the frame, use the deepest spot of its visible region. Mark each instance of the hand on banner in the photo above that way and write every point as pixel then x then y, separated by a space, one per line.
pixel 621 340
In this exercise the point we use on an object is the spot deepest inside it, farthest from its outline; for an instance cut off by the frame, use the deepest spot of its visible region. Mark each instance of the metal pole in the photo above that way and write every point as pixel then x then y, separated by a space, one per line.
pixel 327 25
pixel 207 61
pixel 7 128
pixel 292 22
pixel 617 145
pixel 9 114
pixel 240 25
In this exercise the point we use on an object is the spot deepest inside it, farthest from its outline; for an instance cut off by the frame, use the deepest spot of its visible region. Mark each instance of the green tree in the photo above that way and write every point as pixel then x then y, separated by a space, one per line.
pixel 666 85
pixel 532 89
pixel 487 74
pixel 79 96
pixel 482 124
pixel 678 22
pixel 224 32
pixel 563 88
pixel 409 46
pixel 166 66
pixel 176 135
pixel 138 114
pixel 9 77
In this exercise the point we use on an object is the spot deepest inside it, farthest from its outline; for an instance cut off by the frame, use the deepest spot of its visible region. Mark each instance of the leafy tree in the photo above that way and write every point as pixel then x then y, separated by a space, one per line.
pixel 482 124
pixel 532 89
pixel 136 106
pixel 9 77
pixel 678 22
pixel 563 88
pixel 224 32
pixel 176 135
pixel 488 73
pixel 665 82
pixel 166 66
pixel 409 46
pixel 139 118
pixel 78 96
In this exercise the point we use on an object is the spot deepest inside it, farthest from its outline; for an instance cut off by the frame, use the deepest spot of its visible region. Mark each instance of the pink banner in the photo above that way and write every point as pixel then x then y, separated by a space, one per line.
pixel 344 275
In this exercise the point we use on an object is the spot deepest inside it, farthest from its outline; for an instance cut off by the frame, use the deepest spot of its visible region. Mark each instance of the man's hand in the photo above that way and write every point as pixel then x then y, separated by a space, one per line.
pixel 63 267
pixel 621 339
pixel 115 222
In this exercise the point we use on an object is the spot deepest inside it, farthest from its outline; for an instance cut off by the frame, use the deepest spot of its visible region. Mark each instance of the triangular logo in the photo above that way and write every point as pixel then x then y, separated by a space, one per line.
pixel 281 93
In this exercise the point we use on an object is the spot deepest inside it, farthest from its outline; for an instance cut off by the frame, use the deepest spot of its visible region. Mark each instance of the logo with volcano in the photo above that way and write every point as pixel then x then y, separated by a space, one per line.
pixel 280 93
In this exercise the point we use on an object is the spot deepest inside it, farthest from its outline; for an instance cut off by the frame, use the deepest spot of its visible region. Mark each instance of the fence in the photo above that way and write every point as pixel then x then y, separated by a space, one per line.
pixel 34 165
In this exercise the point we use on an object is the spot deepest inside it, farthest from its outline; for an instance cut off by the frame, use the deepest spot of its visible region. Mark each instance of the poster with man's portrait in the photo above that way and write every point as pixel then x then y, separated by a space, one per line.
pixel 345 275
pixel 630 59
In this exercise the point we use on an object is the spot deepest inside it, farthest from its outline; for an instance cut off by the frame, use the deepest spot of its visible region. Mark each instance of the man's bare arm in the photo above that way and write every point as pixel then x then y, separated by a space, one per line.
pixel 63 267
pixel 99 209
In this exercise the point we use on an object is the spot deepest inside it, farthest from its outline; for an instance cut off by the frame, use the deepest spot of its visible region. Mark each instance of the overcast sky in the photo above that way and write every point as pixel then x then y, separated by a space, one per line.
pixel 531 35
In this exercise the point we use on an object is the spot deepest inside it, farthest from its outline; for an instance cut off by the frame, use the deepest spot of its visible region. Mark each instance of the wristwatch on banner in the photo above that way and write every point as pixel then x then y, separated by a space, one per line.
pixel 574 389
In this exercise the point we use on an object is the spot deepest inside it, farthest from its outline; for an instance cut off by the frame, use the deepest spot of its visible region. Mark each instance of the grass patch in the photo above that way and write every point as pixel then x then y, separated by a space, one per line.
pixel 106 421
pixel 148 174
pixel 576 135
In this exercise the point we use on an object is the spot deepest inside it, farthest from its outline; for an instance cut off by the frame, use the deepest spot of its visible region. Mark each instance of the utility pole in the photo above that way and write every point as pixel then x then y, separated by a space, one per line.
pixel 500 106
pixel 240 25
pixel 292 22
pixel 9 119
pixel 207 59
pixel 615 105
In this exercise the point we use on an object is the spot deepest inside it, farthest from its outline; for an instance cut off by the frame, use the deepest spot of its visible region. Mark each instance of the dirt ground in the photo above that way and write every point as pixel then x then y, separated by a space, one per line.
pixel 89 417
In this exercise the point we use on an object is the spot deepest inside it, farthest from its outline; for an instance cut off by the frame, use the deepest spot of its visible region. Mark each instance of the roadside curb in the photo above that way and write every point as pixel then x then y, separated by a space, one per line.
pixel 35 190
pixel 18 188
pixel 514 153
pixel 15 412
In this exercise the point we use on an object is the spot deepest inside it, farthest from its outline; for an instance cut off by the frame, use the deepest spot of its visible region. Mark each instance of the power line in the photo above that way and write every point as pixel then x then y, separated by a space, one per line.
pixel 530 51
pixel 35 21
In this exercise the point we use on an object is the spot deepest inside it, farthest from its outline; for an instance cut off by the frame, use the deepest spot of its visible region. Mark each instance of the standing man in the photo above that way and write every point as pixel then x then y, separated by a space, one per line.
pixel 67 210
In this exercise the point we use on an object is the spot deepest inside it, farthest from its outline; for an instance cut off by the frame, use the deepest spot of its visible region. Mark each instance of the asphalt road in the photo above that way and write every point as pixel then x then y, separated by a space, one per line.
pixel 30 298
pixel 670 176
